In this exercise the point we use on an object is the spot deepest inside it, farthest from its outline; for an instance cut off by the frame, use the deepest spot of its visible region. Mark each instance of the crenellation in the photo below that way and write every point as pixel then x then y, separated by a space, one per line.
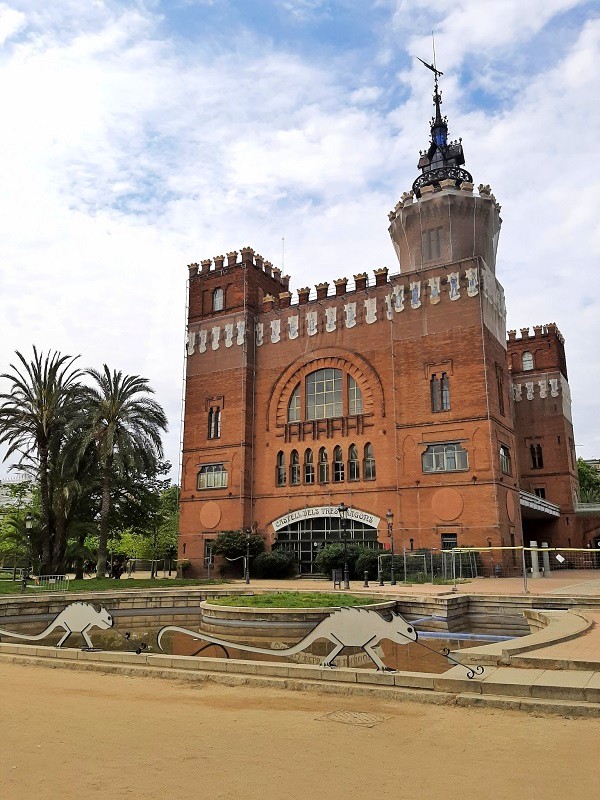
pixel 322 289
pixel 361 281
pixel 268 267
pixel 303 295
pixel 259 261
pixel 206 264
pixel 524 333
pixel 285 300
pixel 268 302
pixel 340 286
pixel 193 269
pixel 219 262
pixel 285 281
pixel 232 258
pixel 381 276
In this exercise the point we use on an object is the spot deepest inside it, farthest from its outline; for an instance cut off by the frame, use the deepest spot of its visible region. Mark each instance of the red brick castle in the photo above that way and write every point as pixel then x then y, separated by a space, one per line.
pixel 399 392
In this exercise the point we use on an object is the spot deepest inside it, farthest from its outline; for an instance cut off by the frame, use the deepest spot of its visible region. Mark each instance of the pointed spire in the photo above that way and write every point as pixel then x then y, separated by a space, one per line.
pixel 443 159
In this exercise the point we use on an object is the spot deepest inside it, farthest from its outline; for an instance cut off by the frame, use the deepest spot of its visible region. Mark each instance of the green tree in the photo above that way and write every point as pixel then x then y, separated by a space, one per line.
pixel 34 413
pixel 589 482
pixel 123 425
pixel 232 544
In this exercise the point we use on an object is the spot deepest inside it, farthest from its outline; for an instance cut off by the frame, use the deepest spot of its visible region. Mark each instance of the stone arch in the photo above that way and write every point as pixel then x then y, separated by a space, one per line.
pixel 348 361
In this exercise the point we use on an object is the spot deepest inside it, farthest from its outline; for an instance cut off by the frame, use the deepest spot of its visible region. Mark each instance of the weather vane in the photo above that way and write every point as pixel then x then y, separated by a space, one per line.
pixel 433 66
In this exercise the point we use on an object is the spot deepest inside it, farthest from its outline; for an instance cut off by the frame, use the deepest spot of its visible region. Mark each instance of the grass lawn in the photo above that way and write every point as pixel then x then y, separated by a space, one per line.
pixel 294 600
pixel 102 584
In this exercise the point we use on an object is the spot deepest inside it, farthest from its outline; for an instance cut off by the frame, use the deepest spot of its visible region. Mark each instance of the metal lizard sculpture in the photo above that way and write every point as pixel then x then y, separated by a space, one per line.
pixel 75 618
pixel 346 627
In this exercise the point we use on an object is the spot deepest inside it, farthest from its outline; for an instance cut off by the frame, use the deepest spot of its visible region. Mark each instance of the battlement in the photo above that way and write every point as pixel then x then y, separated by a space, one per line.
pixel 538 331
pixel 409 198
pixel 246 257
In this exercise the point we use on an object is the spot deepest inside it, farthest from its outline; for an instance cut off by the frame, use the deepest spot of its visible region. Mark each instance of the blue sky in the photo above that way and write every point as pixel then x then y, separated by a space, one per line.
pixel 139 136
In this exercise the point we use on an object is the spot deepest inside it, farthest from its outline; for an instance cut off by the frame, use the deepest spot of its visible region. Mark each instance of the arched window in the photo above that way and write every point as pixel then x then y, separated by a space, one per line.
pixel 355 403
pixel 280 469
pixel 323 466
pixel 212 476
pixel 309 467
pixel 353 463
pixel 294 468
pixel 505 460
pixel 218 300
pixel 338 465
pixel 324 394
pixel 527 361
pixel 369 463
pixel 537 457
pixel 294 406
pixel 214 423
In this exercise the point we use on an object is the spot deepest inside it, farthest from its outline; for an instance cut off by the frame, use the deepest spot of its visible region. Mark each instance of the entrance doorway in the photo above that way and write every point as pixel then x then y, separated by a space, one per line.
pixel 306 537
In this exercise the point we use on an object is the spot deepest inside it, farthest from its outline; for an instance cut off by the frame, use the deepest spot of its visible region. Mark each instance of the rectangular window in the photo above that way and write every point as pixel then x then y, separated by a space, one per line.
pixel 338 471
pixel 324 394
pixel 445 386
pixel 295 475
pixel 500 387
pixel 323 472
pixel 449 541
pixel 309 474
pixel 354 398
pixel 540 492
pixel 449 457
pixel 353 470
pixel 214 423
pixel 209 559
pixel 505 460
pixel 212 476
pixel 537 456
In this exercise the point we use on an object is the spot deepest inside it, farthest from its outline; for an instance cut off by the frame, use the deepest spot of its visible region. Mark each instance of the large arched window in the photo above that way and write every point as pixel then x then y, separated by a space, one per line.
pixel 353 463
pixel 369 463
pixel 527 361
pixel 323 466
pixel 338 465
pixel 218 300
pixel 325 393
pixel 294 468
pixel 309 467
pixel 280 469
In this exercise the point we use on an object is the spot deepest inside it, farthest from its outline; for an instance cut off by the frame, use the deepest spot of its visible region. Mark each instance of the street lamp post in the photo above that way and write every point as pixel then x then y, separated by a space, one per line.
pixel 25 578
pixel 247 560
pixel 343 512
pixel 390 526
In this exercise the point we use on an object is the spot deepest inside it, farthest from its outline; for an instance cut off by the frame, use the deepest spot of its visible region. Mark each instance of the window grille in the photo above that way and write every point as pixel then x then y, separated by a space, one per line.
pixel 505 460
pixel 324 394
pixel 355 403
pixel 338 465
pixel 527 361
pixel 214 423
pixel 323 466
pixel 294 406
pixel 309 467
pixel 280 469
pixel 212 476
pixel 353 463
pixel 369 463
pixel 218 300
pixel 294 468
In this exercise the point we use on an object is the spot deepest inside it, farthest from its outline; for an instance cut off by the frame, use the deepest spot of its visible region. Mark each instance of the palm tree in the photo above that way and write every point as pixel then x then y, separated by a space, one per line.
pixel 34 414
pixel 123 425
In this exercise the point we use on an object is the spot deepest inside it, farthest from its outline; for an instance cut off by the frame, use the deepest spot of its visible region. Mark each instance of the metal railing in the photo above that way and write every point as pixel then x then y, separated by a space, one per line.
pixel 50 583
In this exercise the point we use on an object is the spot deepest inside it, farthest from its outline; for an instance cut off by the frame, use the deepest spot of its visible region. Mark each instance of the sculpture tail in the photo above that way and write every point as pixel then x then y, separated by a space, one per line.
pixel 205 637
pixel 30 637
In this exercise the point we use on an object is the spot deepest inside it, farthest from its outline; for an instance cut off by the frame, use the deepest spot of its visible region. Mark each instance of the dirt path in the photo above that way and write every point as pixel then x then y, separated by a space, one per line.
pixel 67 734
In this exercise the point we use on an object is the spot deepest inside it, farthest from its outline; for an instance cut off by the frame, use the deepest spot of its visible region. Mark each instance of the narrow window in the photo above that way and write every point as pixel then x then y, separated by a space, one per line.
pixel 412 544
pixel 323 466
pixel 294 468
pixel 369 463
pixel 434 389
pixel 353 463
pixel 218 300
pixel 355 403
pixel 445 392
pixel 537 458
pixel 540 491
pixel 505 460
pixel 214 423
pixel 280 469
pixel 309 467
pixel 527 361
pixel 294 406
pixel 338 465
pixel 209 559
pixel 500 387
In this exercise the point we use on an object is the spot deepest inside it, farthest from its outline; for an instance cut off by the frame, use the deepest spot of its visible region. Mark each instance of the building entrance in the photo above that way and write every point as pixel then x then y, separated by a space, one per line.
pixel 306 537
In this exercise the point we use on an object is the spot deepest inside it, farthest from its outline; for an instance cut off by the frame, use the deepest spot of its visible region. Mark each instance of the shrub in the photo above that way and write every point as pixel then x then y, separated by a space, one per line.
pixel 232 544
pixel 332 557
pixel 367 560
pixel 276 564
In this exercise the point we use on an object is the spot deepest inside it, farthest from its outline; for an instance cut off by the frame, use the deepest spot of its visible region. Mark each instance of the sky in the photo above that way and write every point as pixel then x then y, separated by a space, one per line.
pixel 138 136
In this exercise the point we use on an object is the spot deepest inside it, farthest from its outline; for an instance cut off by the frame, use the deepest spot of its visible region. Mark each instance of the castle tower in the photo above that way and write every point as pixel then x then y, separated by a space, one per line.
pixel 225 297
pixel 544 430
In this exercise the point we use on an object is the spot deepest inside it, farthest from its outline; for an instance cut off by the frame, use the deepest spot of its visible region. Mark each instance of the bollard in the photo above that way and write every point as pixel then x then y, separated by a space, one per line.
pixel 366 583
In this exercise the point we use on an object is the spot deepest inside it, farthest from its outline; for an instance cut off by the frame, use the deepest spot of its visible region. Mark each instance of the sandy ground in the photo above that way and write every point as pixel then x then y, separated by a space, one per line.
pixel 67 734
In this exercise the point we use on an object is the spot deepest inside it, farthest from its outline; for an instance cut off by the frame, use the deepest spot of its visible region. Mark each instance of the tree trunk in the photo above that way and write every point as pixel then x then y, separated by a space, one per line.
pixel 46 532
pixel 60 545
pixel 104 510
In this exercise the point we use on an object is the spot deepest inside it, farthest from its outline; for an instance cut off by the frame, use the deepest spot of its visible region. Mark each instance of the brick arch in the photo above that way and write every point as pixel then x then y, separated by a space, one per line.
pixel 327 358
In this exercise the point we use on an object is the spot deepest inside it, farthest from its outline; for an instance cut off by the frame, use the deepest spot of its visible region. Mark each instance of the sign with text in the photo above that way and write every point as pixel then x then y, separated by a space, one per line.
pixel 324 511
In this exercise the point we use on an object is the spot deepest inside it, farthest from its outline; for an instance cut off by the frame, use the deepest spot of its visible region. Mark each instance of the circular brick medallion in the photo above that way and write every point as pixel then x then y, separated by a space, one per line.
pixel 447 504
pixel 210 514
